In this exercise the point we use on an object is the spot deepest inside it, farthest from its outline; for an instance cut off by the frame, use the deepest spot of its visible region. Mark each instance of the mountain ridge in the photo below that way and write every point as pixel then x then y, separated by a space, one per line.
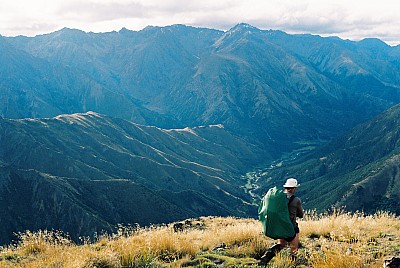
pixel 250 80
pixel 85 173
pixel 88 115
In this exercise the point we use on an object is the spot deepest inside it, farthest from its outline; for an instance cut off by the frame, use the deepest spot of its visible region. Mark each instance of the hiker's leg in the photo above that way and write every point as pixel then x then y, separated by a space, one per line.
pixel 294 244
pixel 282 243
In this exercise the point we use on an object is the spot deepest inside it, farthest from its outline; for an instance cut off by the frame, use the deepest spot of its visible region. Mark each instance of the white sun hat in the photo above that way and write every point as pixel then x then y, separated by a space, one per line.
pixel 291 183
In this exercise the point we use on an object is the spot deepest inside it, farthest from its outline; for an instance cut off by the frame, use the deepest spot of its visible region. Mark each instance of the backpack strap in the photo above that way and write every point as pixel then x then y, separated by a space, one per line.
pixel 291 199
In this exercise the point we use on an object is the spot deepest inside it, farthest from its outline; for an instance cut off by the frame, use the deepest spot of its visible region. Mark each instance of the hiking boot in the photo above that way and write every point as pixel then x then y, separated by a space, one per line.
pixel 294 257
pixel 265 259
pixel 271 252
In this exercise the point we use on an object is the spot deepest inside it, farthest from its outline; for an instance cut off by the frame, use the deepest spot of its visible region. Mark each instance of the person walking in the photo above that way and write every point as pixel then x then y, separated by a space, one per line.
pixel 295 211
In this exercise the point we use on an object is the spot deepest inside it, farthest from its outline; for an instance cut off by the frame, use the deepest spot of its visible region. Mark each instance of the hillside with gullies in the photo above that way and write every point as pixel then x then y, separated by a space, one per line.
pixel 257 83
pixel 100 132
pixel 335 240
pixel 359 170
pixel 84 173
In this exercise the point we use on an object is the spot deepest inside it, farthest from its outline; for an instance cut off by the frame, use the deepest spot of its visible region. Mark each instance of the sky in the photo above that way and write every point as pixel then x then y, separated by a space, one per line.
pixel 347 19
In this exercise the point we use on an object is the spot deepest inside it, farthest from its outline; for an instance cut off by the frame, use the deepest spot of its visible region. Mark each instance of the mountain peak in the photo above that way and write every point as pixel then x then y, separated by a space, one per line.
pixel 373 42
pixel 124 30
pixel 243 27
pixel 67 30
pixel 68 33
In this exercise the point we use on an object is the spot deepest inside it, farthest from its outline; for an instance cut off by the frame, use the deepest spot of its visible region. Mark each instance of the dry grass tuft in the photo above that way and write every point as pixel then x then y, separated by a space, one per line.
pixel 336 240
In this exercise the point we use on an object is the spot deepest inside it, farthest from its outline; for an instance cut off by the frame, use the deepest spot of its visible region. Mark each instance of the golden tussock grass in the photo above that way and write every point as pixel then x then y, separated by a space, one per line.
pixel 336 240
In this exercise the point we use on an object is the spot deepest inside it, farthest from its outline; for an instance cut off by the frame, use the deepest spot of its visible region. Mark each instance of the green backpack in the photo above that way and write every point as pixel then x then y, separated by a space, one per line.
pixel 273 213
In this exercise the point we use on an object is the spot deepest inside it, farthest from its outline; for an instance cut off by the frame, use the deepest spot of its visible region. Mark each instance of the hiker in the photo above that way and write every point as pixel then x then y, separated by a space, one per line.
pixel 295 210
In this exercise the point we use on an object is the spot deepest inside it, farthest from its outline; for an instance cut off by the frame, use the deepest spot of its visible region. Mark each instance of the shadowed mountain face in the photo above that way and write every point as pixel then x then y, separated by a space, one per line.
pixel 358 171
pixel 87 172
pixel 258 93
pixel 278 89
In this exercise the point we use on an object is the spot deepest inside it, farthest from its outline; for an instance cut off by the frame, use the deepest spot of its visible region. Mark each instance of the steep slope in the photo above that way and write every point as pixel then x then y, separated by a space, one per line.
pixel 31 201
pixel 36 87
pixel 358 170
pixel 143 64
pixel 256 86
pixel 23 77
pixel 276 89
pixel 87 172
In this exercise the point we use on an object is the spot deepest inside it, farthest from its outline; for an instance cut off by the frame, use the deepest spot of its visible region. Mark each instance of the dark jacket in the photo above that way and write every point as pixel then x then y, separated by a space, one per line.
pixel 295 209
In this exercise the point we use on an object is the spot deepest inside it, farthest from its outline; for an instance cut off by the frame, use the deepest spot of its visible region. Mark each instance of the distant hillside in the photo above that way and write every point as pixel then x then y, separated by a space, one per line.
pixel 87 172
pixel 271 87
pixel 359 170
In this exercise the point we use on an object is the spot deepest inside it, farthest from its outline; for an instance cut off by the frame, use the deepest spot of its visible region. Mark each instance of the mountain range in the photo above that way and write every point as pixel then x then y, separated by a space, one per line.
pixel 160 125
pixel 255 82
pixel 83 173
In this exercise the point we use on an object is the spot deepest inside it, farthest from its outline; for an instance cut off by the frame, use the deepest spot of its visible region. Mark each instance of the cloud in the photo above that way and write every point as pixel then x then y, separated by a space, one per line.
pixel 91 11
pixel 354 19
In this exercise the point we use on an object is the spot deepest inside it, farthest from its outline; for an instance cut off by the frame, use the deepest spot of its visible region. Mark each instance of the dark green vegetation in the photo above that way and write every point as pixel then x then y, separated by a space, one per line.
pixel 359 170
pixel 85 172
pixel 266 94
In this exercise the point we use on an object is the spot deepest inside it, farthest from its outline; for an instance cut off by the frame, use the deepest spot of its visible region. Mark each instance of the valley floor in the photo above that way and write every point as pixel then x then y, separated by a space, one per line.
pixel 336 240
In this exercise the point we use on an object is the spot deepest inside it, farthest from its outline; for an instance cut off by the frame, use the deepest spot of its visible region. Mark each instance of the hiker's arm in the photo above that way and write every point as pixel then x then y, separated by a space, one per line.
pixel 300 211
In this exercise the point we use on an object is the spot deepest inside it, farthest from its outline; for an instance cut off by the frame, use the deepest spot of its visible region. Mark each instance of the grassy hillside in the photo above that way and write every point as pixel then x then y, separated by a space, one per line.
pixel 335 240
pixel 358 170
